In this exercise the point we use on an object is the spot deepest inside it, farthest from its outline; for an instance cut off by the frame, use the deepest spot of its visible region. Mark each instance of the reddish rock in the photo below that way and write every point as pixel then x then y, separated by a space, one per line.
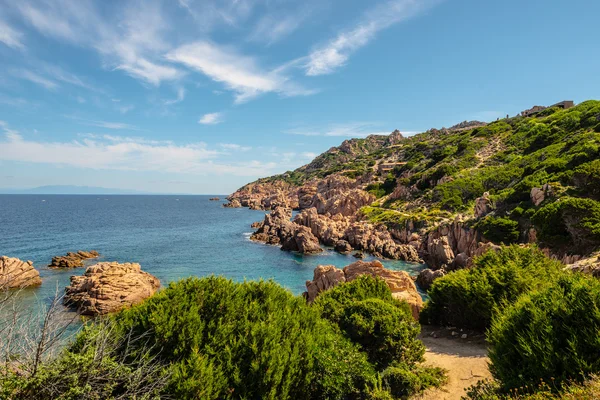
pixel 399 282
pixel 109 287
pixel 16 274
pixel 72 260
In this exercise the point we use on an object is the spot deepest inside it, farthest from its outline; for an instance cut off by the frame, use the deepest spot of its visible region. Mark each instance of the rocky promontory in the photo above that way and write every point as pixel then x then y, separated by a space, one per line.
pixel 73 260
pixel 17 274
pixel 399 282
pixel 107 287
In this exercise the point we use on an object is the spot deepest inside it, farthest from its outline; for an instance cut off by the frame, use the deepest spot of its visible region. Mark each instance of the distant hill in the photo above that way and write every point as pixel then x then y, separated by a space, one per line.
pixel 69 189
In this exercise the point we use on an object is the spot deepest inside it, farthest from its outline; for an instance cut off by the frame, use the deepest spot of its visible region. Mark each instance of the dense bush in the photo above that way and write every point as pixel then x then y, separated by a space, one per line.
pixel 587 178
pixel 492 390
pixel 402 380
pixel 369 316
pixel 499 230
pixel 550 335
pixel 570 222
pixel 469 298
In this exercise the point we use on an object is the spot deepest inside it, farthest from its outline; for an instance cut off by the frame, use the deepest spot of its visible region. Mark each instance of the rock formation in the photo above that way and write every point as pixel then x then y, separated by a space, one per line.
pixel 15 274
pixel 214 199
pixel 72 260
pixel 278 229
pixel 343 247
pixel 589 265
pixel 399 282
pixel 483 205
pixel 108 287
pixel 427 276
pixel 235 203
pixel 538 195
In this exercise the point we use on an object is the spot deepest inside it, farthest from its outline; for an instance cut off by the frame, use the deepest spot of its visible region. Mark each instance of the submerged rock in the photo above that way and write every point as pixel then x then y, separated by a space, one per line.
pixel 108 287
pixel 72 260
pixel 399 282
pixel 16 274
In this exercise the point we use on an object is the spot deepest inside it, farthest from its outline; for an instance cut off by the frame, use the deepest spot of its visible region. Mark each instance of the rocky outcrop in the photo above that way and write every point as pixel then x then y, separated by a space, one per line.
pixel 234 203
pixel 378 241
pixel 278 229
pixel 72 260
pixel 214 199
pixel 538 195
pixel 108 287
pixel 427 276
pixel 399 282
pixel 483 205
pixel 266 196
pixel 446 241
pixel 329 229
pixel 16 274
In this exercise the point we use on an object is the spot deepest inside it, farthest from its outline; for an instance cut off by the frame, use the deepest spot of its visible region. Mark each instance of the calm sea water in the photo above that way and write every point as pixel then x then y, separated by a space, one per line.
pixel 172 237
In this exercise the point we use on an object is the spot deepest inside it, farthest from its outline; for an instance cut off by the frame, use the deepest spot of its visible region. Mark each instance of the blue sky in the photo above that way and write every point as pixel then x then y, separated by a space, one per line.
pixel 202 96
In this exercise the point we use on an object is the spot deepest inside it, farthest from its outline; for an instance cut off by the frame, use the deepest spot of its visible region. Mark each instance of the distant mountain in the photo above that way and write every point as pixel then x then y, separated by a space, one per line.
pixel 69 189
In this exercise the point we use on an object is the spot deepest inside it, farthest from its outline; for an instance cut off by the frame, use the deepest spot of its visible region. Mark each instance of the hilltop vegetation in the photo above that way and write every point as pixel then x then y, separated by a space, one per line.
pixel 444 171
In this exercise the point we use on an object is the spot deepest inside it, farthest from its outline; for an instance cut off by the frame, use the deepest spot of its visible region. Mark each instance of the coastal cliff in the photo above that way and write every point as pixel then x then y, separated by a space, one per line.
pixel 447 195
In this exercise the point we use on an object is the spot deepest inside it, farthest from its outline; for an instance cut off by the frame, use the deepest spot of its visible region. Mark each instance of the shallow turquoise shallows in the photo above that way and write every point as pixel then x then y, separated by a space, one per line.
pixel 172 237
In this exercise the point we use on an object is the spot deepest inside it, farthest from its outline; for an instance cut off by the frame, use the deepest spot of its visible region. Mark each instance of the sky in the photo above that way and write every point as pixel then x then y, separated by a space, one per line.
pixel 203 96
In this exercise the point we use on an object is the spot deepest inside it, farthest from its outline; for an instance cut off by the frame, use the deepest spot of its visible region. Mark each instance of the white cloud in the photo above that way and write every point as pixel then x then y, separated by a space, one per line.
pixel 273 27
pixel 125 154
pixel 133 43
pixel 104 124
pixel 208 13
pixel 126 109
pixel 334 54
pixel 352 130
pixel 235 147
pixel 211 118
pixel 180 97
pixel 35 78
pixel 239 73
pixel 10 37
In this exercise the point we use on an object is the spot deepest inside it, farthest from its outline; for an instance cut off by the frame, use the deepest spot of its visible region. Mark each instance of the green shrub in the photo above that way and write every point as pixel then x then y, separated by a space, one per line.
pixel 587 178
pixel 402 380
pixel 499 230
pixel 369 316
pixel 225 340
pixel 469 298
pixel 569 222
pixel 550 335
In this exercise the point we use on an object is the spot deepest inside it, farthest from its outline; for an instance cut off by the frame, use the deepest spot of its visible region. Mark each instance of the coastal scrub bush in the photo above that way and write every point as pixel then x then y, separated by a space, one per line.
pixel 406 380
pixel 366 313
pixel 549 335
pixel 499 230
pixel 223 340
pixel 571 221
pixel 586 178
pixel 469 298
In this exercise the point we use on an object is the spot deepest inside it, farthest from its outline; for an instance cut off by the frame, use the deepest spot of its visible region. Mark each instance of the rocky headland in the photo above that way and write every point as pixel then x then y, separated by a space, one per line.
pixel 73 260
pixel 17 274
pixel 107 287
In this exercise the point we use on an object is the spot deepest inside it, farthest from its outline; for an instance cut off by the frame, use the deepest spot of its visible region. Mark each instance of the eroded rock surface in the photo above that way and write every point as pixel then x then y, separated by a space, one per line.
pixel 16 274
pixel 107 287
pixel 427 276
pixel 399 282
pixel 72 260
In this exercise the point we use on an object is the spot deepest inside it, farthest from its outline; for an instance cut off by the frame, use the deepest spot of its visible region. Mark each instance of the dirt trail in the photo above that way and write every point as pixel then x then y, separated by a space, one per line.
pixel 465 360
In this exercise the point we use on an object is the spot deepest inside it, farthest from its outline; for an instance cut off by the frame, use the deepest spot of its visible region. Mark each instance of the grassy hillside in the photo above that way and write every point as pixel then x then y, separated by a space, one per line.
pixel 444 171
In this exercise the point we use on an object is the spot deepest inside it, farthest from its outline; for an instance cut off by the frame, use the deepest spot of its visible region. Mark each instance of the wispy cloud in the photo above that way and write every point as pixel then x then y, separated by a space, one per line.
pixel 180 97
pixel 326 58
pixel 134 44
pixel 234 147
pixel 239 73
pixel 35 78
pixel 125 109
pixel 10 37
pixel 125 154
pixel 211 118
pixel 352 130
pixel 104 124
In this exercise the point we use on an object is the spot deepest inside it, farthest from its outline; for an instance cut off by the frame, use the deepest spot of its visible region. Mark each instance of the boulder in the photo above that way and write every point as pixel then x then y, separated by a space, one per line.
pixel 108 287
pixel 72 260
pixel 589 265
pixel 538 195
pixel 16 274
pixel 439 250
pixel 399 282
pixel 341 246
pixel 427 276
pixel 483 205
pixel 256 225
pixel 378 241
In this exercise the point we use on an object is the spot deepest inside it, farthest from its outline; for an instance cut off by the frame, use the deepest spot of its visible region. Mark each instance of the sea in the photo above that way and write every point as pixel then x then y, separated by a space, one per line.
pixel 172 237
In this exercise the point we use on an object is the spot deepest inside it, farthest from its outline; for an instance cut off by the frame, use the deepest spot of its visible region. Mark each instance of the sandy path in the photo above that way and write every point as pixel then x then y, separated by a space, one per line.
pixel 464 359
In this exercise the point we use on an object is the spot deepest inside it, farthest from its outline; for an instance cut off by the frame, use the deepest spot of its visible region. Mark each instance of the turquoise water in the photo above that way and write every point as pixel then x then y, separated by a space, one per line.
pixel 172 237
